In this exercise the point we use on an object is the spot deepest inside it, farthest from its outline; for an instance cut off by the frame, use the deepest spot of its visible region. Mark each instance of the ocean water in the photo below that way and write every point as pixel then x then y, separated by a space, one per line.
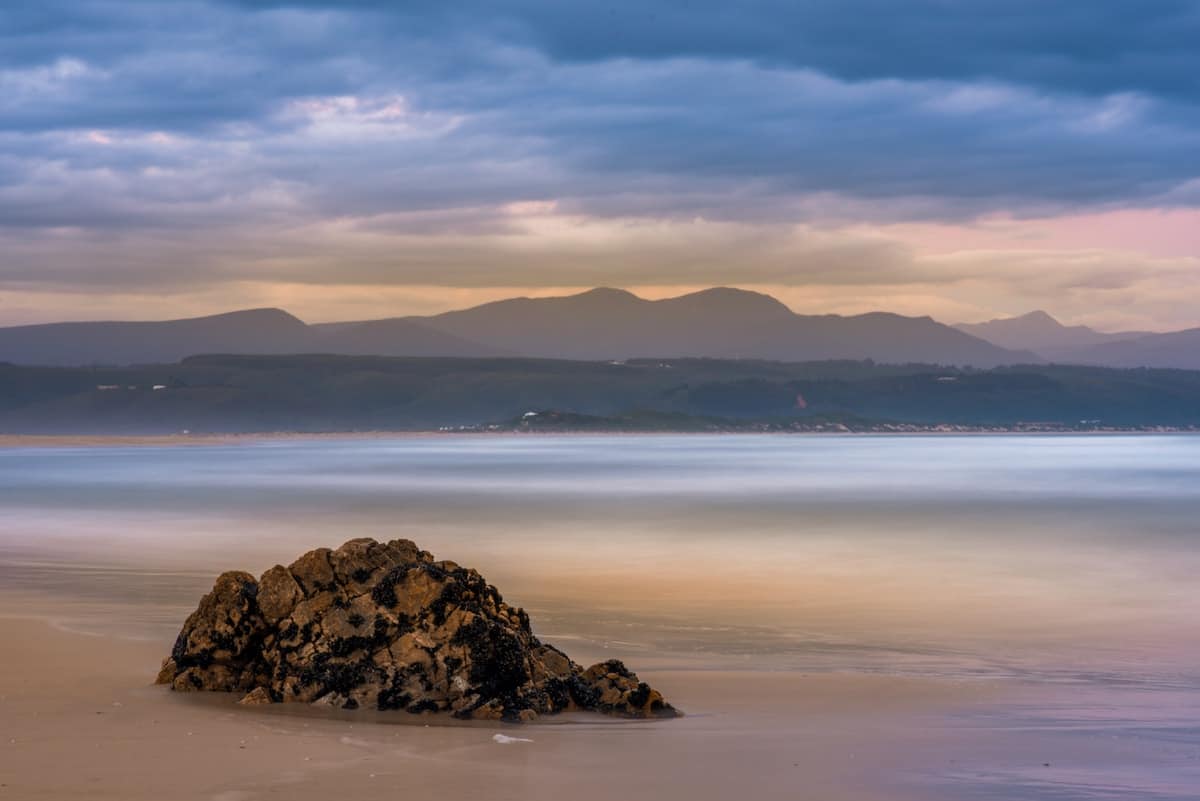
pixel 1062 569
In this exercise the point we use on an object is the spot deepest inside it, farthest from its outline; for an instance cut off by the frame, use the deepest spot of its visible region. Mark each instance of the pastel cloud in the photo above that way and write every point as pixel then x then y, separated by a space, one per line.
pixel 966 159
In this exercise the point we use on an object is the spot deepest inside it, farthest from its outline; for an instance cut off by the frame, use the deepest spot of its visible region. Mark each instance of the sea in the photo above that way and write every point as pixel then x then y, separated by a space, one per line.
pixel 1058 574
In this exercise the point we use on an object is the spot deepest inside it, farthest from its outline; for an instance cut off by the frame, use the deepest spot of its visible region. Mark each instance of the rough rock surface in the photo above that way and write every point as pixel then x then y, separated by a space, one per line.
pixel 384 626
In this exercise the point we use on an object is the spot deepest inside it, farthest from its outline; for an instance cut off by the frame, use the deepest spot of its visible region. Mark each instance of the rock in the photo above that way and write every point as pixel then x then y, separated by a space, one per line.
pixel 216 648
pixel 384 626
pixel 258 695
pixel 278 593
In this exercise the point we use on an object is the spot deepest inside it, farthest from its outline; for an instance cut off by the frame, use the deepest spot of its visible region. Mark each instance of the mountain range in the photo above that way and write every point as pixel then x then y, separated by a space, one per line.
pixel 608 324
pixel 600 324
pixel 1077 344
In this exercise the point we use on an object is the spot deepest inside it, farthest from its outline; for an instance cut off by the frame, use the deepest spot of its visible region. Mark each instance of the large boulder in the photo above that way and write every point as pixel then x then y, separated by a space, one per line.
pixel 384 626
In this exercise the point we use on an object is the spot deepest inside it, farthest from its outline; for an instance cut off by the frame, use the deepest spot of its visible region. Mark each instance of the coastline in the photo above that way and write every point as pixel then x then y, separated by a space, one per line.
pixel 260 437
pixel 165 440
pixel 781 592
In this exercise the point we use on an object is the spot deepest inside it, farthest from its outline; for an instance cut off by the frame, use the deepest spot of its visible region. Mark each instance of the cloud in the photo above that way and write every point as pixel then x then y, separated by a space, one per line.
pixel 868 98
pixel 625 138
pixel 469 145
pixel 1073 46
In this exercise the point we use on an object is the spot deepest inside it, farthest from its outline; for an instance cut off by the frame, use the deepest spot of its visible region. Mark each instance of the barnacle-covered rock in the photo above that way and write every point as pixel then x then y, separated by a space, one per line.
pixel 385 626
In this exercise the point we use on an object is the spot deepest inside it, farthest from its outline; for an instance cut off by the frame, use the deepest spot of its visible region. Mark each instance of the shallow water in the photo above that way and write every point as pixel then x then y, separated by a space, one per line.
pixel 1062 567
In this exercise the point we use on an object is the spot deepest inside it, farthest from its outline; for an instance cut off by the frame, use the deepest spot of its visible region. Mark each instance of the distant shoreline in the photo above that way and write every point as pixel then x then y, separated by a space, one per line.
pixel 164 440
pixel 269 396
pixel 254 438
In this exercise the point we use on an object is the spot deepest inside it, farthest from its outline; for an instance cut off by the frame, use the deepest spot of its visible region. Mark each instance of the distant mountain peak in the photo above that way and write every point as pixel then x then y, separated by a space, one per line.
pixel 1039 332
pixel 607 292
pixel 600 298
pixel 728 292
pixel 1036 316
pixel 731 298
pixel 1035 319
pixel 271 313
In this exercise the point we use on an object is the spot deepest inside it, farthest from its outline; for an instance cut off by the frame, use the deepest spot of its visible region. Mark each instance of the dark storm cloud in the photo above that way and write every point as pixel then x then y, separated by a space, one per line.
pixel 203 61
pixel 230 121
pixel 1068 45
pixel 1105 47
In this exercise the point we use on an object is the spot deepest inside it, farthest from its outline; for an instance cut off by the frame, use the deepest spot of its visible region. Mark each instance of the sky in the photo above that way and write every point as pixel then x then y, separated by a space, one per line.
pixel 965 159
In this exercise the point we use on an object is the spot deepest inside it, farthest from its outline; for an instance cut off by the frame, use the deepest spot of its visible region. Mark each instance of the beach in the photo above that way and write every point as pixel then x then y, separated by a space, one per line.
pixel 934 619
pixel 87 702
pixel 624 401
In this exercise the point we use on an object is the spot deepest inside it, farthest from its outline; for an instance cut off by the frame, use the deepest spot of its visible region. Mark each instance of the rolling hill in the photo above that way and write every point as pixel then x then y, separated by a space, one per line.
pixel 349 393
pixel 1178 349
pixel 601 324
pixel 264 330
pixel 1039 332
pixel 612 324
pixel 1077 344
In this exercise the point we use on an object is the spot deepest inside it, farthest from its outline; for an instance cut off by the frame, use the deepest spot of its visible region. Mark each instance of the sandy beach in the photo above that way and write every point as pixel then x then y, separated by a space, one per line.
pixel 842 619
pixel 624 401
pixel 87 702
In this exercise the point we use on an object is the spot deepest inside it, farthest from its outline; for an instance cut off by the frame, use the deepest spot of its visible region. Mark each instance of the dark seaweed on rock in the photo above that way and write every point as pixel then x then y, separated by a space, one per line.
pixel 376 625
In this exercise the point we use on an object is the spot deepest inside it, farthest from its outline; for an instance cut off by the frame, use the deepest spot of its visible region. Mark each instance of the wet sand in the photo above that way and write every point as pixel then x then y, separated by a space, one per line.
pixel 80 719
pixel 844 619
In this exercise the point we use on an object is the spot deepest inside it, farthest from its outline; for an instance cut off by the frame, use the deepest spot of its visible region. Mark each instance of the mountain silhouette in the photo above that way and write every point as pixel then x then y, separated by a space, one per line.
pixel 599 324
pixel 720 323
pixel 268 331
pixel 1178 349
pixel 1037 331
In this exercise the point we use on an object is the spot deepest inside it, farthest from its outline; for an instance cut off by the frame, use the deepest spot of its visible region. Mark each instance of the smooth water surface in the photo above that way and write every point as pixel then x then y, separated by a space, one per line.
pixel 1062 566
